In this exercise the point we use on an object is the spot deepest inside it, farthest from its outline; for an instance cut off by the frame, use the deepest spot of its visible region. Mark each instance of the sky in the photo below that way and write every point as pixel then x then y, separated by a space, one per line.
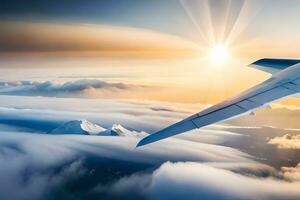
pixel 130 68
pixel 174 46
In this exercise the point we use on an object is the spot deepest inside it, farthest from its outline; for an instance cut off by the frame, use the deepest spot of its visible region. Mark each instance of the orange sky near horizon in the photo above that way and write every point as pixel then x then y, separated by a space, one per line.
pixel 175 68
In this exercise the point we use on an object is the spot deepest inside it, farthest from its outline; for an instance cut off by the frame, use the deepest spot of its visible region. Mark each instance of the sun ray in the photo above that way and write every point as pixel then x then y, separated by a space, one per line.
pixel 221 25
pixel 194 21
pixel 248 12
pixel 209 17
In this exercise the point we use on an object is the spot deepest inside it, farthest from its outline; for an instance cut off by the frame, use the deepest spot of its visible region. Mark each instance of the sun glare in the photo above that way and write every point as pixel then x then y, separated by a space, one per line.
pixel 218 54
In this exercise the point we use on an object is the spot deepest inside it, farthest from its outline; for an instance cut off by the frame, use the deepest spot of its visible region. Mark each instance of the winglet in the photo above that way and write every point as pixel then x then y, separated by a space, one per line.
pixel 273 65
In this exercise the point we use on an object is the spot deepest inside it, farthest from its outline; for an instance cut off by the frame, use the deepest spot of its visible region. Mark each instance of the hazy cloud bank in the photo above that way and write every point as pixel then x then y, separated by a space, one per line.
pixel 34 166
pixel 39 165
pixel 191 180
pixel 90 39
pixel 194 180
pixel 79 88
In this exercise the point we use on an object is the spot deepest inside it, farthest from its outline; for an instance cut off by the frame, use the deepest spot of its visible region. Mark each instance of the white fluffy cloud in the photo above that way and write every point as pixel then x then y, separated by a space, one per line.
pixel 46 154
pixel 191 180
pixel 194 180
pixel 35 164
pixel 141 115
pixel 286 142
pixel 31 165
pixel 291 173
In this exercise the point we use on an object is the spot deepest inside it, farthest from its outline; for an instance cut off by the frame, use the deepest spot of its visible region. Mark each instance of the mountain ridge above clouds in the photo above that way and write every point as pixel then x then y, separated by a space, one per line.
pixel 84 127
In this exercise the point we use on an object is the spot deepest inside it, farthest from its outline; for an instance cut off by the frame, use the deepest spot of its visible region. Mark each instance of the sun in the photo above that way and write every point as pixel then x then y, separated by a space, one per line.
pixel 218 54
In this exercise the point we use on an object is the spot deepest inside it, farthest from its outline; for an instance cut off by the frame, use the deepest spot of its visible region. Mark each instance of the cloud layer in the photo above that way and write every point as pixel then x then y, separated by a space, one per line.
pixel 32 165
pixel 72 88
pixel 193 180
pixel 88 39
pixel 35 164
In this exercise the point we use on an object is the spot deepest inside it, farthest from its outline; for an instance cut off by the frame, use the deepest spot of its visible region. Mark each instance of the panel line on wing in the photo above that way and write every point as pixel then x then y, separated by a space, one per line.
pixel 291 86
pixel 239 101
pixel 248 104
pixel 240 106
pixel 195 123
pixel 251 99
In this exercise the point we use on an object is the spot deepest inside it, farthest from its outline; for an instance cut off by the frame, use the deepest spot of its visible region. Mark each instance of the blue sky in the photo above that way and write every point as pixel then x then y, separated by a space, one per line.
pixel 169 16
pixel 163 15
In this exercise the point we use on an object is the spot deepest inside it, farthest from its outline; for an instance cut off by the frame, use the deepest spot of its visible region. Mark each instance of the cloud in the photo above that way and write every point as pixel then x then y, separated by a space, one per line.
pixel 88 39
pixel 20 179
pixel 47 165
pixel 194 180
pixel 291 173
pixel 191 180
pixel 132 187
pixel 45 113
pixel 278 116
pixel 287 141
pixel 34 165
pixel 72 88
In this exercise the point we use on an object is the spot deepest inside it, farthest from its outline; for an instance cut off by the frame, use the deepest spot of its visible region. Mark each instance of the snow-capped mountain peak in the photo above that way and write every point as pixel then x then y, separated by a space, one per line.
pixel 92 129
pixel 118 129
pixel 83 127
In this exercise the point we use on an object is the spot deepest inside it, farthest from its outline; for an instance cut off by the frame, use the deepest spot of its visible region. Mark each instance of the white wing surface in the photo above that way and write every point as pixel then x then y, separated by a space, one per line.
pixel 273 89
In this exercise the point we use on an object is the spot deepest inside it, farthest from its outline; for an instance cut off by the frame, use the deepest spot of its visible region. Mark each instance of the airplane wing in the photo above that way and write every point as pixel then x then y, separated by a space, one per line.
pixel 258 96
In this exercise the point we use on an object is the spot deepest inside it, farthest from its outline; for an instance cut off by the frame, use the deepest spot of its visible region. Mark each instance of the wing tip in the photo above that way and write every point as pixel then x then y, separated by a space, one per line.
pixel 139 144
pixel 146 140
pixel 169 131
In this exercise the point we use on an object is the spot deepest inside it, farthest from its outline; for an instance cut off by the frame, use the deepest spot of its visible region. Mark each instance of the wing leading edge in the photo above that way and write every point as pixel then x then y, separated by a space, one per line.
pixel 258 96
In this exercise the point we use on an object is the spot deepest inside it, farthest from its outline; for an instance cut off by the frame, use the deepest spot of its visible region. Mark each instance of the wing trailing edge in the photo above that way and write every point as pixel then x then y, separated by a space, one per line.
pixel 260 95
